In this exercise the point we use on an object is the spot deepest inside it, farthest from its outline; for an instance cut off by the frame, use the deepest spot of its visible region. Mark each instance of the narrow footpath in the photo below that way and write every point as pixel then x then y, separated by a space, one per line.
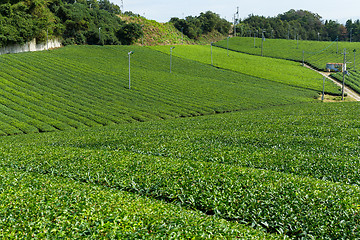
pixel 351 93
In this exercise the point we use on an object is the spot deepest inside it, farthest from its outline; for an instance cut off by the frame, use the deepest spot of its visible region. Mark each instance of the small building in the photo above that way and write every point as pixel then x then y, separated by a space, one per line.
pixel 334 67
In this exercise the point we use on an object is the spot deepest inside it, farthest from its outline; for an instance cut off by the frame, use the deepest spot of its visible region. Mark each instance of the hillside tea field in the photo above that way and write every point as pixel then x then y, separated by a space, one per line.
pixel 316 53
pixel 204 152
pixel 277 70
pixel 86 86
pixel 288 171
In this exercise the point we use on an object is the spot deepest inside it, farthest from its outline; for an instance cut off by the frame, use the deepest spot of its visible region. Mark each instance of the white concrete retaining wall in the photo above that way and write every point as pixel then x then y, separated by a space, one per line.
pixel 30 47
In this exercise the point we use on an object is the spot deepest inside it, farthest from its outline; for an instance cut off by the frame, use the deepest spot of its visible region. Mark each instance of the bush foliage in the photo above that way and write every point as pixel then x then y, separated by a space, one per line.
pixel 77 22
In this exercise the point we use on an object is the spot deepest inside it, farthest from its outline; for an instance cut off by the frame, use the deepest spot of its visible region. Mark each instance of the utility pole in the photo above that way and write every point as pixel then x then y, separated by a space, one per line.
pixel 344 72
pixel 323 92
pixel 351 35
pixel 171 48
pixel 234 25
pixel 262 42
pixel 130 53
pixel 236 19
pixel 303 62
pixel 212 63
pixel 228 46
pixel 297 39
pixel 354 59
pixel 254 40
pixel 337 45
pixel 100 35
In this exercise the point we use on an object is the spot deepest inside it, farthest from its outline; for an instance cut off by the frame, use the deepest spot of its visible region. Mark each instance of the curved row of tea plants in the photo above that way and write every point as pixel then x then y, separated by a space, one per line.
pixel 316 54
pixel 81 86
pixel 203 163
pixel 276 70
pixel 43 206
pixel 352 80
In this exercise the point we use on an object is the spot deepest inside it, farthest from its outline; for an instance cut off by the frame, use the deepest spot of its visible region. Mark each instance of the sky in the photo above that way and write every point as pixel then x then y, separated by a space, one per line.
pixel 164 10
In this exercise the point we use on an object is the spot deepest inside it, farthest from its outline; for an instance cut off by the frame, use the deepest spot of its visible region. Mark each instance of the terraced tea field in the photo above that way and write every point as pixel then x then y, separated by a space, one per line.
pixel 276 70
pixel 200 153
pixel 316 54
pixel 77 87
pixel 291 170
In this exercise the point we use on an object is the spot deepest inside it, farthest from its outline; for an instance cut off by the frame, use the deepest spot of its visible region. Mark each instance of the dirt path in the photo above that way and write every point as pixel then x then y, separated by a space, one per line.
pixel 351 93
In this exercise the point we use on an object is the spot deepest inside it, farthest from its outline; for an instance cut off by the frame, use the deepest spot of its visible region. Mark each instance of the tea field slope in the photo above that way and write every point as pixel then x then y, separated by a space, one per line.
pixel 287 170
pixel 86 86
pixel 316 53
pixel 277 70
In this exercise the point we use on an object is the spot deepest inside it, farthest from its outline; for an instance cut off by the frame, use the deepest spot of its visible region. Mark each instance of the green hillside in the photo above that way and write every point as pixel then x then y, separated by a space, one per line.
pixel 86 86
pixel 156 33
pixel 316 53
pixel 230 151
pixel 276 70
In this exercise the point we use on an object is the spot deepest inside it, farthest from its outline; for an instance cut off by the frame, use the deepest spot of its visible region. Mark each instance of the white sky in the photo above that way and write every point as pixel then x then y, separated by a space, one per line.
pixel 163 10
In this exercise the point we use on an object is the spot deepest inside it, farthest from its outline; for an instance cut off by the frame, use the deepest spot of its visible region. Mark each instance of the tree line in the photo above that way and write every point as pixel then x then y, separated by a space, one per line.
pixel 298 24
pixel 205 23
pixel 75 21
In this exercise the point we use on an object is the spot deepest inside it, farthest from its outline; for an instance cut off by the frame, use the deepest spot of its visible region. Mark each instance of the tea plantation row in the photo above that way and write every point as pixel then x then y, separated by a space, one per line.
pixel 316 54
pixel 287 170
pixel 276 70
pixel 87 86
pixel 43 206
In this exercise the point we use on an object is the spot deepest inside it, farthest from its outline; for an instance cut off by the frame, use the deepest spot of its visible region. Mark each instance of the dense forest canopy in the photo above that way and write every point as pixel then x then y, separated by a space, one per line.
pixel 75 21
pixel 207 22
pixel 96 22
pixel 299 24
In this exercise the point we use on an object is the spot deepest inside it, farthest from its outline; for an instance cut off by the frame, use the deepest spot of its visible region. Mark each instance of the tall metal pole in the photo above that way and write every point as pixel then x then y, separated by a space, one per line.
pixel 234 25
pixel 262 42
pixel 100 35
pixel 297 40
pixel 323 92
pixel 130 69
pixel 354 59
pixel 254 40
pixel 212 63
pixel 344 72
pixel 228 46
pixel 303 62
pixel 337 45
pixel 171 48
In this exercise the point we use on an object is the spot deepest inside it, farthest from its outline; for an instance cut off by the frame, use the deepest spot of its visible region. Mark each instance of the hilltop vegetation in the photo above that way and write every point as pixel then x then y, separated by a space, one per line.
pixel 298 24
pixel 75 22
pixel 205 23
